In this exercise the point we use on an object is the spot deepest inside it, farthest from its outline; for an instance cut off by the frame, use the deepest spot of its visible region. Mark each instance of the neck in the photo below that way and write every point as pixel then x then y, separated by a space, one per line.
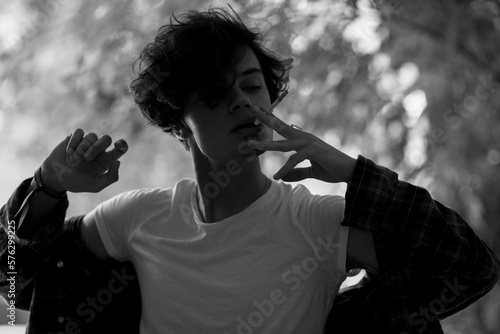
pixel 225 189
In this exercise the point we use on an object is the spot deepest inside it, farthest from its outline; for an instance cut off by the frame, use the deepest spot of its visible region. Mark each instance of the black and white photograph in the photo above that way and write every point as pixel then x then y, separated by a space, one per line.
pixel 250 167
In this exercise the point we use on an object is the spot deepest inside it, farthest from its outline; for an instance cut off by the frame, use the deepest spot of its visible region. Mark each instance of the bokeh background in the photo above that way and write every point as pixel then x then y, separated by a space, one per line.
pixel 413 85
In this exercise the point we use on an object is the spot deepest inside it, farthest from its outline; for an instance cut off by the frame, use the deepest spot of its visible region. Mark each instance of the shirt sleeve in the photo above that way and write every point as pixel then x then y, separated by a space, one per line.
pixel 118 217
pixel 432 263
pixel 318 218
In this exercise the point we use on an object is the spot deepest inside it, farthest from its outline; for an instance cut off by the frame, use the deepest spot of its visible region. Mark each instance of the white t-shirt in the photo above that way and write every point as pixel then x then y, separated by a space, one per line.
pixel 275 267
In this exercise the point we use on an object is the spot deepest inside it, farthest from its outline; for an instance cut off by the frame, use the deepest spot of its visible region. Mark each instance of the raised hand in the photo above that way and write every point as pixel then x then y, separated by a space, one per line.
pixel 327 163
pixel 80 163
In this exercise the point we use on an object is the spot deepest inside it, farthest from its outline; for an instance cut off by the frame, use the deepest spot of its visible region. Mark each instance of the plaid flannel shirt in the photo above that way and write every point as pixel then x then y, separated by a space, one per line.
pixel 432 265
pixel 60 282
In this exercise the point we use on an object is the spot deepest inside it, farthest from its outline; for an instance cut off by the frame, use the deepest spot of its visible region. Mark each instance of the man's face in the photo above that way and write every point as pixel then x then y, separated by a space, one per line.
pixel 213 127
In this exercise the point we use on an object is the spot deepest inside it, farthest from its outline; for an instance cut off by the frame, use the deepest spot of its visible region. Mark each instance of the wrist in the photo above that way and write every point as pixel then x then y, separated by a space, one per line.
pixel 349 169
pixel 49 181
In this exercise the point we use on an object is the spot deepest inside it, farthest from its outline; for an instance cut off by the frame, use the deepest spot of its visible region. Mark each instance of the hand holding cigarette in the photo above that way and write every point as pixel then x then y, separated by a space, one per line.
pixel 273 105
pixel 327 163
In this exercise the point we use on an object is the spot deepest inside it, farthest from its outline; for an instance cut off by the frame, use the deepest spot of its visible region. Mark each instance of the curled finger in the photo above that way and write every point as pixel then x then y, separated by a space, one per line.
pixel 84 145
pixel 76 138
pixel 121 147
pixel 293 161
pixel 99 146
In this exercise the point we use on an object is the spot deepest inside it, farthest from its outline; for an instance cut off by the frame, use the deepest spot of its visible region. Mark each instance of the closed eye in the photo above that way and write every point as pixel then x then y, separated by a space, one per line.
pixel 211 105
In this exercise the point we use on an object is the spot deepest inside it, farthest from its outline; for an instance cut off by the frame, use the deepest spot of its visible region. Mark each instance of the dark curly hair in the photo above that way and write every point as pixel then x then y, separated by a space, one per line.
pixel 192 56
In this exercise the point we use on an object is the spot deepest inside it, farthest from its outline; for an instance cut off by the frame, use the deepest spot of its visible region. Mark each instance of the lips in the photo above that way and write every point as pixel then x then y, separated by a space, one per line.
pixel 245 125
pixel 248 131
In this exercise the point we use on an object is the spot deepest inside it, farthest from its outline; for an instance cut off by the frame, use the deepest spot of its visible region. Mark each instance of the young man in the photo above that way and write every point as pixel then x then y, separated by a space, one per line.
pixel 234 252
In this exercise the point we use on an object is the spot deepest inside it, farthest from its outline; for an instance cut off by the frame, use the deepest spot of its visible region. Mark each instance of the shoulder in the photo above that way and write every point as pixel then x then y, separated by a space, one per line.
pixel 157 198
pixel 141 197
pixel 300 197
pixel 133 202
pixel 146 199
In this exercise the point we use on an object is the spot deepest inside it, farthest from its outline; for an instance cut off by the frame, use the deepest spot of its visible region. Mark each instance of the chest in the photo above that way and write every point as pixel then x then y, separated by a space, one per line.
pixel 239 270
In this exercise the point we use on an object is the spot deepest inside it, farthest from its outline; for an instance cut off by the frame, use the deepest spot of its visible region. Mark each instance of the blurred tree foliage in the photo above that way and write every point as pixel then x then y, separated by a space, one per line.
pixel 413 85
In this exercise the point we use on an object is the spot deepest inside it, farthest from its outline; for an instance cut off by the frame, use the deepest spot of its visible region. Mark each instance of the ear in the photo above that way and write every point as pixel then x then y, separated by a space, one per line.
pixel 181 130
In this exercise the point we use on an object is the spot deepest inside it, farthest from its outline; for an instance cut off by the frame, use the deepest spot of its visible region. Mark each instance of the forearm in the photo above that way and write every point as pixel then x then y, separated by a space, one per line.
pixel 40 206
pixel 34 214
pixel 42 225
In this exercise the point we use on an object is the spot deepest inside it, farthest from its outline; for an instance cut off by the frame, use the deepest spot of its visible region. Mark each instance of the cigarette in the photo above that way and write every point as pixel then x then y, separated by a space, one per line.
pixel 277 101
pixel 273 105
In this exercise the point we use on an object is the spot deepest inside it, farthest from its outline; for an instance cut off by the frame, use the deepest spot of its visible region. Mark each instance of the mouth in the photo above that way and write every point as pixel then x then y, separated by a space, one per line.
pixel 247 127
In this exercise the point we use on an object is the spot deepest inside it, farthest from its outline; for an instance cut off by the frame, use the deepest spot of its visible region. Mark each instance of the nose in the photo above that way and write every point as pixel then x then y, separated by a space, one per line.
pixel 239 101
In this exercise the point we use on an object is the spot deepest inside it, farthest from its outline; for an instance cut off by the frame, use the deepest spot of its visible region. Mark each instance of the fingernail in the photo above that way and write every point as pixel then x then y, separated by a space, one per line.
pixel 69 151
pixel 121 146
pixel 257 122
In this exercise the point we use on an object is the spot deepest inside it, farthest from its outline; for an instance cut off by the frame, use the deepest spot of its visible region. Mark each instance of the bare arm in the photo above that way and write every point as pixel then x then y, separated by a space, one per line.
pixel 92 239
pixel 361 251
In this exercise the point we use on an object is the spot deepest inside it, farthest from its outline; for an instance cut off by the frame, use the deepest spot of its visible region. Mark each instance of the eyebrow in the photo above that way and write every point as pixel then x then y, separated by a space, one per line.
pixel 250 71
